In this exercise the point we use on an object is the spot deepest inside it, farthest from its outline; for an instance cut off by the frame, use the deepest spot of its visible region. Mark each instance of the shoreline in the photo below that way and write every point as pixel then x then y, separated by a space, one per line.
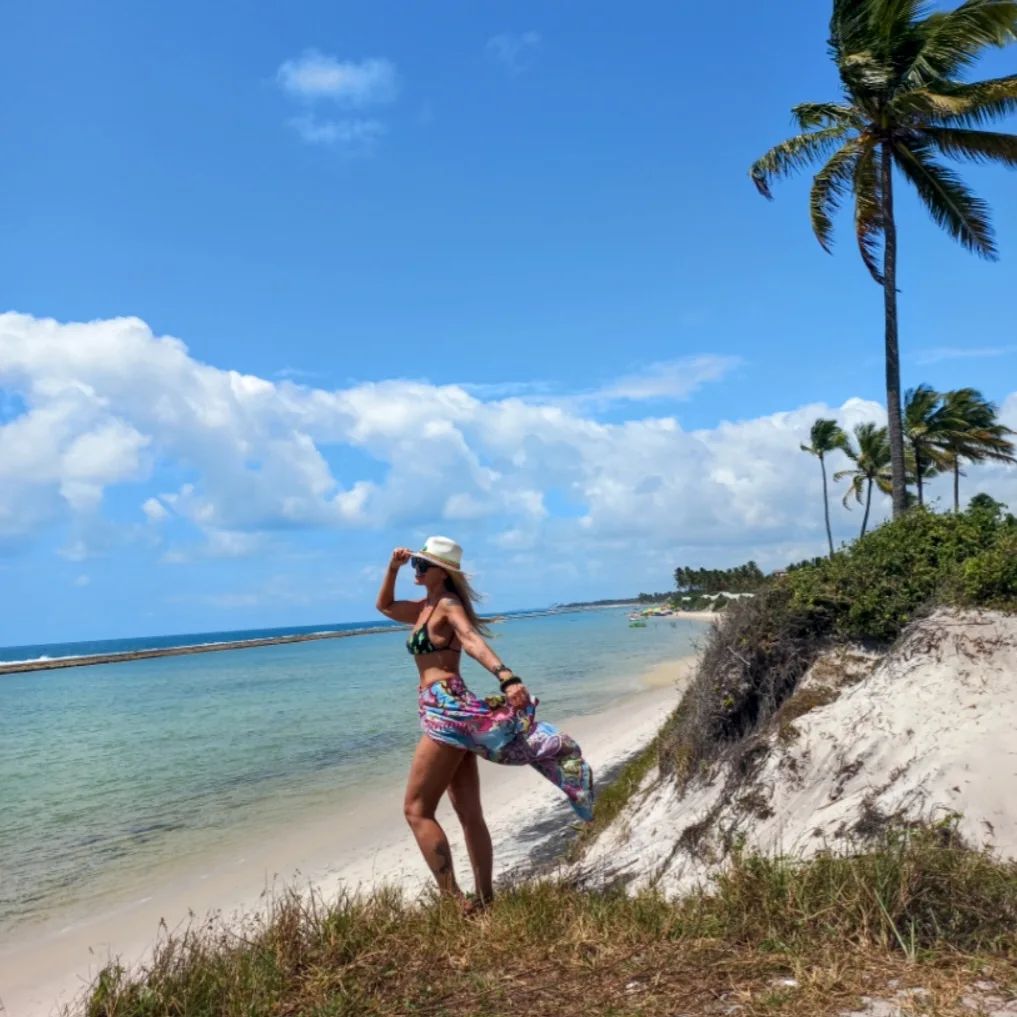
pixel 355 847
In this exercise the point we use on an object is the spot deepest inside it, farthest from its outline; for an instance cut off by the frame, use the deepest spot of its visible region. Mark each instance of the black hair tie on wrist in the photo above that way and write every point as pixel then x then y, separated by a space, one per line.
pixel 509 682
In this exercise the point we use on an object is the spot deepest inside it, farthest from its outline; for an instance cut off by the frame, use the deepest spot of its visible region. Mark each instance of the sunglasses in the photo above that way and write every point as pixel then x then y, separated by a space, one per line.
pixel 420 565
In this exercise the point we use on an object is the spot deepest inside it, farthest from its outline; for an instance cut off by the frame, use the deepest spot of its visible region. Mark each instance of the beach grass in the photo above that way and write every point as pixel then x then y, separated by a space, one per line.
pixel 773 937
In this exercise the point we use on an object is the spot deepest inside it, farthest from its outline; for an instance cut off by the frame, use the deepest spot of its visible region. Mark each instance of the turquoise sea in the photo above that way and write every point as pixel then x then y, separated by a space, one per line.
pixel 109 771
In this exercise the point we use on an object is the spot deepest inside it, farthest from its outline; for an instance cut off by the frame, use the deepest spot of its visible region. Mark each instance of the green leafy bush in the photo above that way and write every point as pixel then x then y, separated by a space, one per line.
pixel 990 578
pixel 870 591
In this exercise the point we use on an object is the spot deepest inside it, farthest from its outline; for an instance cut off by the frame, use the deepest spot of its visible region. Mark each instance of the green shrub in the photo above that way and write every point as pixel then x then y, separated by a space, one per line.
pixel 990 578
pixel 873 589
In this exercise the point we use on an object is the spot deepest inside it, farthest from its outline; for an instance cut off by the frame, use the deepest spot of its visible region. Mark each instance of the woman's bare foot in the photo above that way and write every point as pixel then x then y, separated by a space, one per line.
pixel 474 905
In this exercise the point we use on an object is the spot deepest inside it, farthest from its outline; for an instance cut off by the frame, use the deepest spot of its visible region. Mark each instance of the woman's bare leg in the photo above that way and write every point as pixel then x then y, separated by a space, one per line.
pixel 464 793
pixel 430 774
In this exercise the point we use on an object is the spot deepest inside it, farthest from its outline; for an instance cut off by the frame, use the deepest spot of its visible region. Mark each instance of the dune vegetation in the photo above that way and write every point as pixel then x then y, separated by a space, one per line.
pixel 922 913
pixel 865 594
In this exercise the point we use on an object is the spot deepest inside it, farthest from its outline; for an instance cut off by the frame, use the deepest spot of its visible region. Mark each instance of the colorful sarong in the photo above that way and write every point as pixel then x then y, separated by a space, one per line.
pixel 452 714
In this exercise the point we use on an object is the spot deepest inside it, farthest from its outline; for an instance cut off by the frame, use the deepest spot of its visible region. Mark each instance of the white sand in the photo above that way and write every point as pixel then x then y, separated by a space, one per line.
pixel 711 616
pixel 368 844
pixel 927 735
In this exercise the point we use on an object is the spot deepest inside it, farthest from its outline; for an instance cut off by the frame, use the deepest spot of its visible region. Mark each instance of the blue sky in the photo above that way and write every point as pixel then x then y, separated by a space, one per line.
pixel 498 270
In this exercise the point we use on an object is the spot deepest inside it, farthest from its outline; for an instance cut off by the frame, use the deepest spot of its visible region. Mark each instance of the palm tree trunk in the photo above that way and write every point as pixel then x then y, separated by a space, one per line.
pixel 918 476
pixel 826 506
pixel 894 428
pixel 956 485
pixel 868 502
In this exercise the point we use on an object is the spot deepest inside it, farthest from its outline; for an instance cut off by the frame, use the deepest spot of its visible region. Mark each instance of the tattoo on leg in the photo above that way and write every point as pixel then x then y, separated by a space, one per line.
pixel 445 867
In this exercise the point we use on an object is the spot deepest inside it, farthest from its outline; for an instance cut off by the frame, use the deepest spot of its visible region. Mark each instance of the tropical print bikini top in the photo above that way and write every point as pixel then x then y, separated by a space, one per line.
pixel 419 642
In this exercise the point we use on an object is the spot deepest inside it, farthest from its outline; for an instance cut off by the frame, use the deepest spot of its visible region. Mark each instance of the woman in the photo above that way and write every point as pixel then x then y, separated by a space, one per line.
pixel 457 726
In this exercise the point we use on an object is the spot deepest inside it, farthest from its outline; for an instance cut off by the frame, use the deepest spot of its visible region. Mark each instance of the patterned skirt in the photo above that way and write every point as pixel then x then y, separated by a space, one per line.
pixel 452 714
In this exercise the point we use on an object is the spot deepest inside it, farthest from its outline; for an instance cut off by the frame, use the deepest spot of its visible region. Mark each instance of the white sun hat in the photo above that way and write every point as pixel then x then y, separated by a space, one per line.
pixel 443 551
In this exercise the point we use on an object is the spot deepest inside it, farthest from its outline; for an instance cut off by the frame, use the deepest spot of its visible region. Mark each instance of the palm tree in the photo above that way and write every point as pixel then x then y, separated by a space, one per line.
pixel 825 436
pixel 903 104
pixel 978 434
pixel 871 466
pixel 927 427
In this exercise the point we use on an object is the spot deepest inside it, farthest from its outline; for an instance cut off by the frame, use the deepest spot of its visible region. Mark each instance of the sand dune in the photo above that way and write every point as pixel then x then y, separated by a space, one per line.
pixel 925 733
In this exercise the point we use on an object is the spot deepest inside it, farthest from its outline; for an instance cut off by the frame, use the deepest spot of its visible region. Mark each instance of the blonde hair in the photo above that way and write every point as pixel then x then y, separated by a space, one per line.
pixel 457 583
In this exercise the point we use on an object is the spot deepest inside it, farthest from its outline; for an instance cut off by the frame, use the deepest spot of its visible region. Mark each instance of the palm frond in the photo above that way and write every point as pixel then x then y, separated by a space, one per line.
pixel 896 25
pixel 855 488
pixel 850 27
pixel 794 154
pixel 825 435
pixel 869 225
pixel 922 409
pixel 977 103
pixel 808 115
pixel 975 432
pixel 873 443
pixel 976 146
pixel 885 484
pixel 953 40
pixel 866 76
pixel 871 460
pixel 888 18
pixel 950 203
pixel 829 186
pixel 989 443
pixel 927 104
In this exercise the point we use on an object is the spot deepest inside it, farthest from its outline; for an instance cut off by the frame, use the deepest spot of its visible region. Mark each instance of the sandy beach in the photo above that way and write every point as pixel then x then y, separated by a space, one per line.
pixel 368 844
pixel 710 616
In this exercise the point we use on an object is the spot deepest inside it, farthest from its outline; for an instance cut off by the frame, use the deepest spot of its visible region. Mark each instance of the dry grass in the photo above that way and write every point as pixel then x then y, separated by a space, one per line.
pixel 775 938
pixel 803 701
pixel 751 664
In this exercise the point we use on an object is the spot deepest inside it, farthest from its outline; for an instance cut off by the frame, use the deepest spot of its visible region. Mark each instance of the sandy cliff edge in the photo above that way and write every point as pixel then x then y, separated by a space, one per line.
pixel 924 733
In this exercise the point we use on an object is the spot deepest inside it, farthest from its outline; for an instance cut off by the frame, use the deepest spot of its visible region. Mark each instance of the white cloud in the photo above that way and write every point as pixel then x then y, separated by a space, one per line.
pixel 219 544
pixel 104 400
pixel 514 51
pixel 82 580
pixel 315 75
pixel 940 353
pixel 65 447
pixel 672 379
pixel 357 134
pixel 1008 412
pixel 155 510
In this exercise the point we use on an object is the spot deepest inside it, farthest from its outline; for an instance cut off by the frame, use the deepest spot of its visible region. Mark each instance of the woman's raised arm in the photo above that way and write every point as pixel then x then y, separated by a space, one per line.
pixel 406 611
